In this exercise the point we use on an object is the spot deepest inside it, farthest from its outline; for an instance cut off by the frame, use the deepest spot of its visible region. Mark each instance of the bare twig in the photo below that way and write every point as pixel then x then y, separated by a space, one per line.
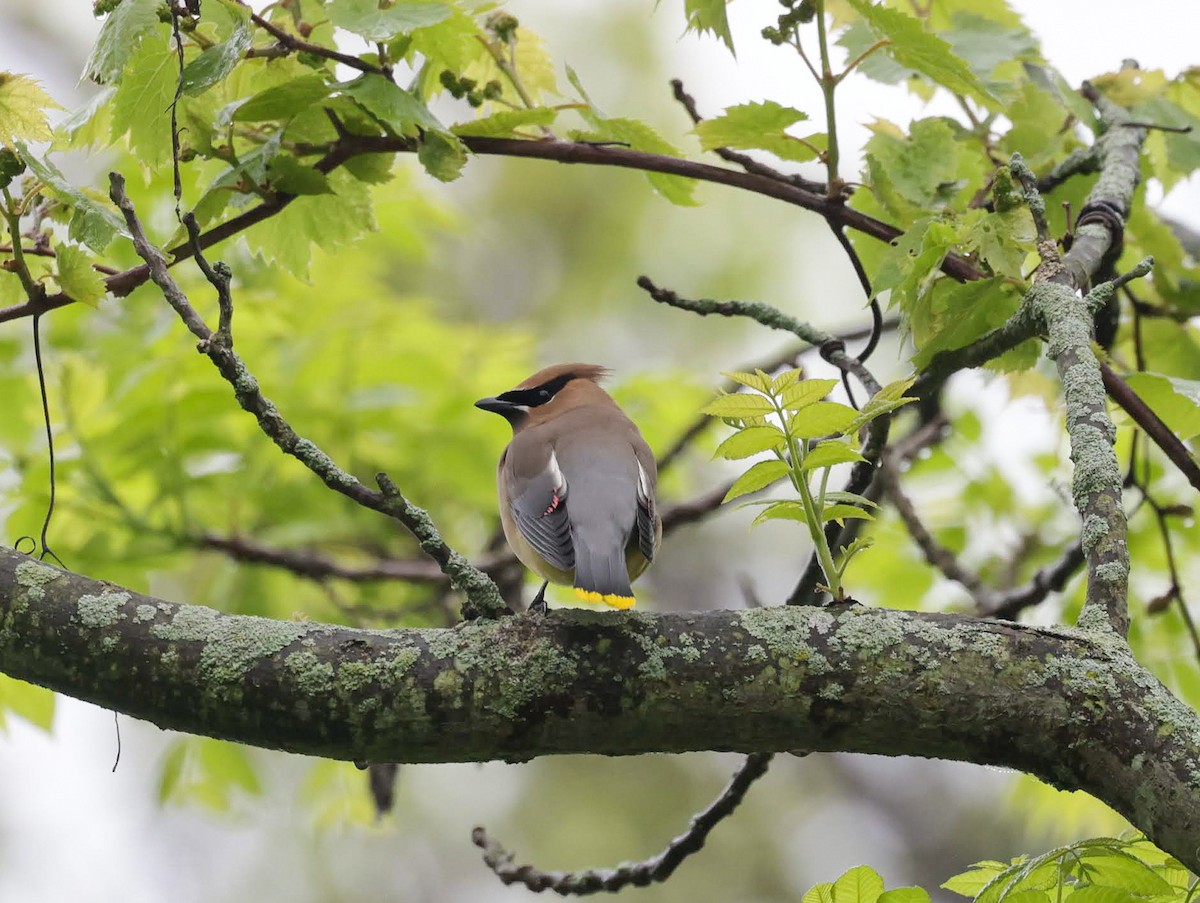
pixel 636 874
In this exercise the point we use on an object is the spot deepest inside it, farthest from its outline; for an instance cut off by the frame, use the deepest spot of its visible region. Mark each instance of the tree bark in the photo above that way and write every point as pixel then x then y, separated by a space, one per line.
pixel 1071 707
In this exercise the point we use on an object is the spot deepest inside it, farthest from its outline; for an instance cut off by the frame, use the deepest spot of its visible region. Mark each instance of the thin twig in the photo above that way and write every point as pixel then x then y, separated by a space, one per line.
pixel 483 598
pixel 631 874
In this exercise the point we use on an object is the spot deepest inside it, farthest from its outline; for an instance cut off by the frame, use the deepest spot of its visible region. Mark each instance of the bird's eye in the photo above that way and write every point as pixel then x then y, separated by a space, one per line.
pixel 544 394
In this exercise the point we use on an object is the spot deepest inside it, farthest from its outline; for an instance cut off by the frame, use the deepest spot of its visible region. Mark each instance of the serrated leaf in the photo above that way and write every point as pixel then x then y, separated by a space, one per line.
pixel 90 124
pixel 285 100
pixel 760 476
pixel 288 174
pixel 756 381
pixel 1116 869
pixel 216 62
pixel 77 277
pixel 739 405
pixel 375 22
pixel 839 513
pixel 395 108
pixel 785 379
pixel 788 509
pixel 709 16
pixel 910 45
pixel 970 883
pixel 828 454
pixel 801 394
pixel 141 107
pixel 952 314
pixel 759 126
pixel 23 106
pixel 820 893
pixel 751 441
pixel 861 884
pixel 122 31
pixel 822 418
pixel 505 123
pixel 917 167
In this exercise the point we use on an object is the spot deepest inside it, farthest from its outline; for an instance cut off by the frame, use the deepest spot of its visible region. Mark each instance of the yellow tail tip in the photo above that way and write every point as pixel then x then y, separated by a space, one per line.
pixel 621 602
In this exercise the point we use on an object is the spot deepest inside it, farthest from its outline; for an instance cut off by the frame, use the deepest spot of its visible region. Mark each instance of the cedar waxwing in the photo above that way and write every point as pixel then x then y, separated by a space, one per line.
pixel 576 485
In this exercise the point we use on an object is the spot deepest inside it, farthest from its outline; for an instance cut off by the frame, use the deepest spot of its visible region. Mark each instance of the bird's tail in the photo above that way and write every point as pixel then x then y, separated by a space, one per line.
pixel 602 577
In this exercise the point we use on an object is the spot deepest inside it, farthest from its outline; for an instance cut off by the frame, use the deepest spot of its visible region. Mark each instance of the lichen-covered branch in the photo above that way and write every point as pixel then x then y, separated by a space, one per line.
pixel 1072 707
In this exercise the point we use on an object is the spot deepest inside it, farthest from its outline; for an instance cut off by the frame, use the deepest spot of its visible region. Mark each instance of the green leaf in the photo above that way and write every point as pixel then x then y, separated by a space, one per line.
pixel 709 16
pixel 216 62
pixel 93 222
pixel 442 155
pixel 23 106
pixel 1002 240
pixel 739 405
pixel 638 136
pixel 505 123
pixel 911 265
pixel 375 22
pixel 119 37
pixel 758 126
pixel 985 43
pixel 819 893
pixel 802 394
pixel 751 441
pixel 760 476
pixel 824 418
pixel 893 391
pixel 285 100
pixel 142 105
pixel 788 509
pixel 1092 894
pixel 760 382
pixel 849 498
pixel 970 883
pixel 77 277
pixel 953 315
pixel 827 454
pixel 286 173
pixel 34 704
pixel 917 49
pixel 785 379
pixel 839 513
pixel 921 167
pixel 861 884
pixel 396 108
pixel 1116 869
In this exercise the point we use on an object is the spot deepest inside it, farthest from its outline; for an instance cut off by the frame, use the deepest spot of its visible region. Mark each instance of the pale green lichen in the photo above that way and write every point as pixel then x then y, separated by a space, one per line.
pixel 33 577
pixel 1111 572
pixel 1095 528
pixel 310 675
pixel 104 610
pixel 145 613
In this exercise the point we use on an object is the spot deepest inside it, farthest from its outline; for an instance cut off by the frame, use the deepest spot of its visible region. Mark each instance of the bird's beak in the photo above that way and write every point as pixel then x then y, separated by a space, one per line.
pixel 495 405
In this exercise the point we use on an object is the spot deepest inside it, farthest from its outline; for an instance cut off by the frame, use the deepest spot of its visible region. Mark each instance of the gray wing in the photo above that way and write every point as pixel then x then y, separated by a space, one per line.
pixel 538 504
pixel 647 508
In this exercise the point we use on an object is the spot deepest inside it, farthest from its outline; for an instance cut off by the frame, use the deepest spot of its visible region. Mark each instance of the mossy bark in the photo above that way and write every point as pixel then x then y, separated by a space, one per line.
pixel 1073 708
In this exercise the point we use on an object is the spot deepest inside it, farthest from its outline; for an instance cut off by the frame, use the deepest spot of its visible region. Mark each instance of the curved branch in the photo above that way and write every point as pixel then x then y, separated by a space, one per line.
pixel 1073 708
pixel 628 874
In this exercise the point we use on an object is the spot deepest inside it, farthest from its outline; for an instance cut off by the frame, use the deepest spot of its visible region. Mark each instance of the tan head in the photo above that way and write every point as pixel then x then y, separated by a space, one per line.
pixel 548 393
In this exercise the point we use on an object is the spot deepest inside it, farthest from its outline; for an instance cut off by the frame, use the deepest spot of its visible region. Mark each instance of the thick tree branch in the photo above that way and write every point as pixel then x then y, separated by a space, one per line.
pixel 1074 708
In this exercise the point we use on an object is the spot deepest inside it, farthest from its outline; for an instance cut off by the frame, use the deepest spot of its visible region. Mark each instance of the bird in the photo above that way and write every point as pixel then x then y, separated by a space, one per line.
pixel 576 485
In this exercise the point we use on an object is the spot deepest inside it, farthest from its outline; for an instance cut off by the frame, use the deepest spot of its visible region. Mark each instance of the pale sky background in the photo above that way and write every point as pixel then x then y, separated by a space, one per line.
pixel 71 830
